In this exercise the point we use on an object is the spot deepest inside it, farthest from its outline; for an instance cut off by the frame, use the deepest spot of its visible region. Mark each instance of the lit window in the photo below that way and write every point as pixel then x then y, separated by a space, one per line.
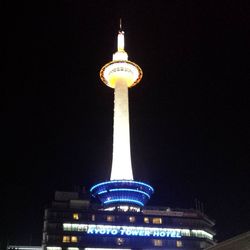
pixel 131 219
pixel 74 239
pixel 66 239
pixel 119 241
pixel 146 220
pixel 124 208
pixel 179 243
pixel 157 243
pixel 110 218
pixel 76 216
pixel 93 217
pixel 157 220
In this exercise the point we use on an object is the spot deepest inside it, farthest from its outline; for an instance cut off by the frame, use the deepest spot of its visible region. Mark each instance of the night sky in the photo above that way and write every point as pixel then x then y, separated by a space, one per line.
pixel 189 115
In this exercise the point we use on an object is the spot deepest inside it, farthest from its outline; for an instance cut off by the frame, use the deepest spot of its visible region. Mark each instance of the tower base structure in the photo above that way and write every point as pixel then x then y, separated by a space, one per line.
pixel 122 192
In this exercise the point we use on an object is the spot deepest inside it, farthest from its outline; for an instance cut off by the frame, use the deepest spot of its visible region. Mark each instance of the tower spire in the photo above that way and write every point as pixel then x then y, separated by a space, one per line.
pixel 120 54
pixel 120 24
pixel 121 42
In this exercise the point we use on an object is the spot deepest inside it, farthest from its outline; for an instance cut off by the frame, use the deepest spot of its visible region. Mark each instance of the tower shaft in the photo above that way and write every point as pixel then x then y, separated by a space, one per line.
pixel 121 164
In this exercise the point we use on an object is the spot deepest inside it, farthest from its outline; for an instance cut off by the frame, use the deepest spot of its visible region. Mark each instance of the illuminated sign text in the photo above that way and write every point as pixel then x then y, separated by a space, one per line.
pixel 93 229
pixel 133 231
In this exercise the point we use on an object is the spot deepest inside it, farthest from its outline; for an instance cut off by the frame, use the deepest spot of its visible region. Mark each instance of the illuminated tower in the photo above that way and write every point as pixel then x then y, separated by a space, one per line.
pixel 121 74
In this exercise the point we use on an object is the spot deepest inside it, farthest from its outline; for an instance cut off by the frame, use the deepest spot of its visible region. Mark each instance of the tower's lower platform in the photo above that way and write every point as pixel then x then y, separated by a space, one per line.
pixel 122 192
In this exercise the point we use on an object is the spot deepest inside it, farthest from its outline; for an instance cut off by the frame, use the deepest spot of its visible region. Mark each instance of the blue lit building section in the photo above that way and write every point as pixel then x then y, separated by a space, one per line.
pixel 122 192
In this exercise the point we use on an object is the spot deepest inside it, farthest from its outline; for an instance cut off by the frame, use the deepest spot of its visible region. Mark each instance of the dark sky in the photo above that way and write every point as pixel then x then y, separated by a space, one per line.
pixel 189 115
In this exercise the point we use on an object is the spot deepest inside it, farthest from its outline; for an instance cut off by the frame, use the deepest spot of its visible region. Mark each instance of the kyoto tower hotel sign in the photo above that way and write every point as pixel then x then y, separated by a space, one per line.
pixel 121 191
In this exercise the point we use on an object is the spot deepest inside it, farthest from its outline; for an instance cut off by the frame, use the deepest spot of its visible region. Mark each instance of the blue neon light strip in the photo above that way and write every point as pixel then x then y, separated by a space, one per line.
pixel 122 181
pixel 102 192
pixel 130 190
pixel 124 200
pixel 124 189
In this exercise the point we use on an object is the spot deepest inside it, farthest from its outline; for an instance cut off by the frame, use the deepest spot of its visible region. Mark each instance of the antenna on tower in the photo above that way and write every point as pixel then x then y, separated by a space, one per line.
pixel 120 24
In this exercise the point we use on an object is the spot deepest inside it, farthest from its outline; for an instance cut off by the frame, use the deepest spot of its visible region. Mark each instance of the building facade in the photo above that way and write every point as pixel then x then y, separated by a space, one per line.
pixel 238 242
pixel 74 223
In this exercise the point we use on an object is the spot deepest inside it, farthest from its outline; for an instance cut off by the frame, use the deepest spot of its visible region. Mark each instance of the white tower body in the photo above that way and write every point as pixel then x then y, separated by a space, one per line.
pixel 121 163
pixel 121 191
pixel 121 74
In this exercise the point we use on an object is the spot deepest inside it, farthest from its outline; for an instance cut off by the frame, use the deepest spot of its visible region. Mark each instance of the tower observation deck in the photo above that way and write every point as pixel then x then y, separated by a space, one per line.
pixel 121 74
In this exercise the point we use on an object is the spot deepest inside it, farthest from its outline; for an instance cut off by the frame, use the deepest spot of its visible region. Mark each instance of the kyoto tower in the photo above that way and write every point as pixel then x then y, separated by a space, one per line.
pixel 122 190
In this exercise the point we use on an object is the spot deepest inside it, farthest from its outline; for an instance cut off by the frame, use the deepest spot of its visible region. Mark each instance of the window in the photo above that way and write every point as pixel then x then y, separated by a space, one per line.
pixel 157 243
pixel 93 217
pixel 179 243
pixel 110 218
pixel 131 219
pixel 66 239
pixel 119 241
pixel 146 220
pixel 76 216
pixel 157 220
pixel 74 239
